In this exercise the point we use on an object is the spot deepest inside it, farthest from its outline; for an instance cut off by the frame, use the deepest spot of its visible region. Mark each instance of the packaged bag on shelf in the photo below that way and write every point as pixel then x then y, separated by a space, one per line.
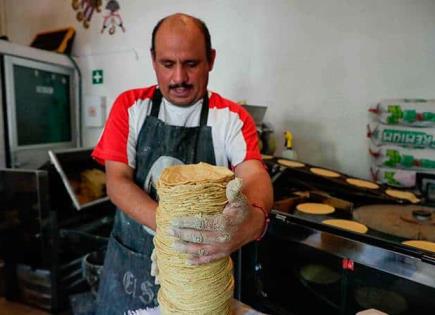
pixel 411 137
pixel 402 157
pixel 410 112
pixel 393 176
pixel 396 177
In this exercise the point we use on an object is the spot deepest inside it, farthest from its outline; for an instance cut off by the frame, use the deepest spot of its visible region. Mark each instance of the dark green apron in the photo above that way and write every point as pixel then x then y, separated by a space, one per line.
pixel 126 283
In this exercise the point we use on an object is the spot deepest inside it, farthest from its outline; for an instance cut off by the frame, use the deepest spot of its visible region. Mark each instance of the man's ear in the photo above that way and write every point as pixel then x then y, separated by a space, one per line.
pixel 212 58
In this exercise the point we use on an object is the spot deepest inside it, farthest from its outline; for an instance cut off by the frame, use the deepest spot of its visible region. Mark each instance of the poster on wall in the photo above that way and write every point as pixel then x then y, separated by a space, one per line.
pixel 112 19
pixel 85 10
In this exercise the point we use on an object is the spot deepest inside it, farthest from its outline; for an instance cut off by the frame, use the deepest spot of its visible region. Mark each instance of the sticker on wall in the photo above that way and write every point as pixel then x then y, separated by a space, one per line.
pixel 85 9
pixel 97 76
pixel 112 19
pixel 95 107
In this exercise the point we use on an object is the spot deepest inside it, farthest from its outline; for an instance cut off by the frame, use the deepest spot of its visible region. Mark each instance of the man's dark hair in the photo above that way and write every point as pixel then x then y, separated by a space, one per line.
pixel 202 26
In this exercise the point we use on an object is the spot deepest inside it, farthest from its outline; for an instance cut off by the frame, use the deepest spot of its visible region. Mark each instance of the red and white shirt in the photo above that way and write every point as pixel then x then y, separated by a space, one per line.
pixel 233 130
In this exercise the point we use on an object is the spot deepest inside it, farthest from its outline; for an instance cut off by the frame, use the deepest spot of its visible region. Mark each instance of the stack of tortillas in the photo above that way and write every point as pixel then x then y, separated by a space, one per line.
pixel 191 190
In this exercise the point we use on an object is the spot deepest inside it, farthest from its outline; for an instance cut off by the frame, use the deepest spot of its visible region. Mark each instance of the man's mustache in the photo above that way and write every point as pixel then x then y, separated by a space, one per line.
pixel 180 85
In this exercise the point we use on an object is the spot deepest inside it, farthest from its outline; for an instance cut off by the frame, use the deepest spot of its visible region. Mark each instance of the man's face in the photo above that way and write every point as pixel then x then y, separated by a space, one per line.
pixel 181 64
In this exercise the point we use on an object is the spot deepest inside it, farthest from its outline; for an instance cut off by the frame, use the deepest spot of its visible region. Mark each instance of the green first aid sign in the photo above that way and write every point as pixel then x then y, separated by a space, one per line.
pixel 97 76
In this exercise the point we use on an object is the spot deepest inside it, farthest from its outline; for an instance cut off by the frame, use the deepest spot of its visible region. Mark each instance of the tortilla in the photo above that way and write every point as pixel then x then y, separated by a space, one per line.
pixel 319 274
pixel 195 173
pixel 362 183
pixel 92 185
pixel 266 157
pixel 323 172
pixel 425 245
pixel 347 225
pixel 315 208
pixel 289 163
pixel 400 194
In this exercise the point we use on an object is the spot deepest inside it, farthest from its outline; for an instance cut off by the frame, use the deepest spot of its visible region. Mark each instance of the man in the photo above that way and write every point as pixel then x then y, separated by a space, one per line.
pixel 177 122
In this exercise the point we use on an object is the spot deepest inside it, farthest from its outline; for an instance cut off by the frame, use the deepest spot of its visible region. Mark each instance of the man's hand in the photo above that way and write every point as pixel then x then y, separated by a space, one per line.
pixel 209 238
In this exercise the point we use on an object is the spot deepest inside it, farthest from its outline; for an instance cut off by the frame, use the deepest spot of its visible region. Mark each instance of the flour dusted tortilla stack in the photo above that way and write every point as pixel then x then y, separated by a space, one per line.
pixel 191 190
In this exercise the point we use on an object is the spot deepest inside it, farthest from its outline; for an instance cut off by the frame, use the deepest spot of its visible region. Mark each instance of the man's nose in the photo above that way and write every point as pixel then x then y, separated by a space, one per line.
pixel 180 74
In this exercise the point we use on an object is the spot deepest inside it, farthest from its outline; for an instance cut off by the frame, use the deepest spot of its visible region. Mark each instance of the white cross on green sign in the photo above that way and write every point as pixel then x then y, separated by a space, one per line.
pixel 97 76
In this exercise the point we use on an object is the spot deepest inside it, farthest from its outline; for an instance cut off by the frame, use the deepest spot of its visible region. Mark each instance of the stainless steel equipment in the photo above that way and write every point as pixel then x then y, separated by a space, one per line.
pixel 265 132
pixel 44 236
pixel 39 105
pixel 304 266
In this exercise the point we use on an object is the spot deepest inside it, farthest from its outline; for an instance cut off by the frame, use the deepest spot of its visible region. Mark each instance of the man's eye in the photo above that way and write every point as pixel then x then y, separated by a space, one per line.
pixel 192 64
pixel 167 64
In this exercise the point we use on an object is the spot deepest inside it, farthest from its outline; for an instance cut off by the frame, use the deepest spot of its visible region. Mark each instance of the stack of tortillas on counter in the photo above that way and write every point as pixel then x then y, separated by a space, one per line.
pixel 191 190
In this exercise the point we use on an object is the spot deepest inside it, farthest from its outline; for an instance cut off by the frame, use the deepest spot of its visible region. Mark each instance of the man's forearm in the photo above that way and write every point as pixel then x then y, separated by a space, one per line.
pixel 257 185
pixel 257 188
pixel 129 197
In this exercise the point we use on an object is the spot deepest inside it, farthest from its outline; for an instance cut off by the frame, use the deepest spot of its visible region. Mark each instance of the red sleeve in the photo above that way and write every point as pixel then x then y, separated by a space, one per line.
pixel 249 131
pixel 241 139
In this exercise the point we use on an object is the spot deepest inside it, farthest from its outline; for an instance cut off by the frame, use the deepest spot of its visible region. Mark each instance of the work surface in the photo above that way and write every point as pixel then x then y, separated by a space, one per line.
pixel 238 309
pixel 12 308
pixel 7 307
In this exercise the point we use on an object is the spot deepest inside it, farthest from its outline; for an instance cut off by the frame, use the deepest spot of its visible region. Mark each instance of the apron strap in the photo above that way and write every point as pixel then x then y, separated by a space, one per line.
pixel 204 111
pixel 157 100
pixel 202 122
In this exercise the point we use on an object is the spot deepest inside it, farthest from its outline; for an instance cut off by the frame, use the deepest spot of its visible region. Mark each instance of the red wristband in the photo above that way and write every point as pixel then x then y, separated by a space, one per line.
pixel 266 221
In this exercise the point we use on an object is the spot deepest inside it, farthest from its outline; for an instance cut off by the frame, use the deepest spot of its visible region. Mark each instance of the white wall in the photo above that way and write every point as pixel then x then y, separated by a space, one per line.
pixel 2 18
pixel 317 64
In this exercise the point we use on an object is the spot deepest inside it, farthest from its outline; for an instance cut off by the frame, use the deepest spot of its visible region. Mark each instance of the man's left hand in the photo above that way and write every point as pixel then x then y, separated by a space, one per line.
pixel 209 238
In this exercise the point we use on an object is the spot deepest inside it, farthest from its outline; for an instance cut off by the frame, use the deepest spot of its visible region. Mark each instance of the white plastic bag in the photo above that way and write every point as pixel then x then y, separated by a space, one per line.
pixel 409 112
pixel 381 134
pixel 402 157
pixel 394 177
